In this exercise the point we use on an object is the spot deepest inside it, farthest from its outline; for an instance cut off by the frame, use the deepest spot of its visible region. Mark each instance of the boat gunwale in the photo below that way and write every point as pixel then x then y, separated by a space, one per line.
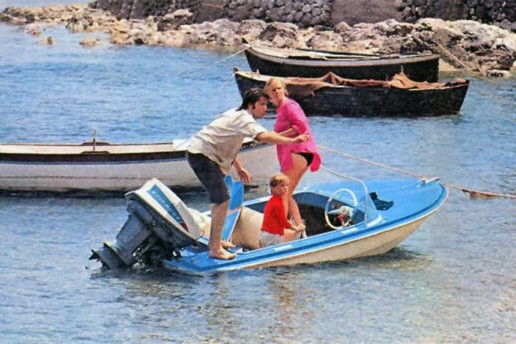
pixel 323 241
pixel 99 155
pixel 319 242
pixel 257 77
pixel 333 63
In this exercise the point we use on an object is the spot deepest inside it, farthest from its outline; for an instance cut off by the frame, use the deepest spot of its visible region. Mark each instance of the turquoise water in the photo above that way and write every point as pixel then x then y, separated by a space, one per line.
pixel 452 281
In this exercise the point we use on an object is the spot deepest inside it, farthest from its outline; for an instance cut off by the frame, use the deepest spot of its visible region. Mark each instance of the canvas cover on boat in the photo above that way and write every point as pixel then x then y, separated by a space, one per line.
pixel 302 87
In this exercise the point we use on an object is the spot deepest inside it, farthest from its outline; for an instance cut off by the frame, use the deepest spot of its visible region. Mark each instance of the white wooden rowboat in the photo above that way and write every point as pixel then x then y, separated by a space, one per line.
pixel 101 166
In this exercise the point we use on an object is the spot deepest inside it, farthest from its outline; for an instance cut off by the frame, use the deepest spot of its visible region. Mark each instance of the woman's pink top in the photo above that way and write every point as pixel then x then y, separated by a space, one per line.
pixel 290 115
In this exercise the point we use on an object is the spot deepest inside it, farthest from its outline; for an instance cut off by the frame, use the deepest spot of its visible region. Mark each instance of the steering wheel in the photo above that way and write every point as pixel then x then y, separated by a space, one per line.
pixel 327 207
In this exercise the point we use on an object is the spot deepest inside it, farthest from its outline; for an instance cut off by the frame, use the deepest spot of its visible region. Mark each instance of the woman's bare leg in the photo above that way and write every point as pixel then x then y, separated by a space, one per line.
pixel 299 167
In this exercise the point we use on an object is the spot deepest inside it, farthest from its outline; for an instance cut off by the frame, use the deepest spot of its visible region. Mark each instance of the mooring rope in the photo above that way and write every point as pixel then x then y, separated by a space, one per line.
pixel 473 194
pixel 478 75
pixel 190 72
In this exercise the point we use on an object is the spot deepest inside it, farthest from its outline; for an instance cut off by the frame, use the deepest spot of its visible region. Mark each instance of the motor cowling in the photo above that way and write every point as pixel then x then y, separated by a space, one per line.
pixel 159 224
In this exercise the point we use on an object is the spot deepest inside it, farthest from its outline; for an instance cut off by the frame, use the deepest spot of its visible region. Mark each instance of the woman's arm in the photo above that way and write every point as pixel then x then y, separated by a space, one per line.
pixel 295 116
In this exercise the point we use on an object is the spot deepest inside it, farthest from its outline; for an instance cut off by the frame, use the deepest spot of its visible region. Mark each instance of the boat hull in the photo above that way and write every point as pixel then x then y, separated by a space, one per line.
pixel 371 101
pixel 276 62
pixel 112 168
pixel 376 244
pixel 412 205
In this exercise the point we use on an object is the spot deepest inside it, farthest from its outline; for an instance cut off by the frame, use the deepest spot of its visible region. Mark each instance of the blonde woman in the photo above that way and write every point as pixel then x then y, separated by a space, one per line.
pixel 294 159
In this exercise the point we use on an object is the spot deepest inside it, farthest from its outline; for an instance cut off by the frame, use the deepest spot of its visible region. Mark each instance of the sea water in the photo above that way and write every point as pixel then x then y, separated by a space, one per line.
pixel 452 281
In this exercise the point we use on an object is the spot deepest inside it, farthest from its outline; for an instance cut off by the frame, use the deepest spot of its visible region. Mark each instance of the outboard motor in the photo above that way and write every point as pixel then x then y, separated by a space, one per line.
pixel 132 235
pixel 159 224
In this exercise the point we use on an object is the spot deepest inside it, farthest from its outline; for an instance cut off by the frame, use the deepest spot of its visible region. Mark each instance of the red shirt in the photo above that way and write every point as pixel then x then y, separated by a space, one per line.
pixel 274 216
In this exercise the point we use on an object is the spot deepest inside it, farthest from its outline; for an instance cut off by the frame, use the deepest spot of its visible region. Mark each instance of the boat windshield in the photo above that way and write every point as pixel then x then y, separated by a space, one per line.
pixel 350 198
pixel 367 206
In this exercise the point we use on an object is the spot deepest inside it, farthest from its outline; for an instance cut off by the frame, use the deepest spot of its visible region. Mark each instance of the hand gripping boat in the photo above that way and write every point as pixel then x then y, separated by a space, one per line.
pixel 344 220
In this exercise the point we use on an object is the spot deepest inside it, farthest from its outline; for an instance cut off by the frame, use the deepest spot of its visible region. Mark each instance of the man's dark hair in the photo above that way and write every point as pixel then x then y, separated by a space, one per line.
pixel 251 96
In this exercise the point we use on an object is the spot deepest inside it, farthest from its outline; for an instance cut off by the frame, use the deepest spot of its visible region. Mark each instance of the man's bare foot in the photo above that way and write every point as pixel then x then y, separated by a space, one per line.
pixel 227 244
pixel 222 254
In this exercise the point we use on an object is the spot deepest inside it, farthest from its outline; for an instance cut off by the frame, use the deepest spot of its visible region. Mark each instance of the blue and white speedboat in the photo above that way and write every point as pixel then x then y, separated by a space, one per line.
pixel 344 220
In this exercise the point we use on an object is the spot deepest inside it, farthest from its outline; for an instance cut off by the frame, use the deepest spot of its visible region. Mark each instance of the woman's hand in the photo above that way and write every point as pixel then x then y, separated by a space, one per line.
pixel 301 138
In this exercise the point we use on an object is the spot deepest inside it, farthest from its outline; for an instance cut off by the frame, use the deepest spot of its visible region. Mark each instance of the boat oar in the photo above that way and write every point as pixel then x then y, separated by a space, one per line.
pixel 473 194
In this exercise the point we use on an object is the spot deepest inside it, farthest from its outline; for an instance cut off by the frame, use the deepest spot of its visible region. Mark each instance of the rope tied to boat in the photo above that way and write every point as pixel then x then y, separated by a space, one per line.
pixel 476 74
pixel 190 72
pixel 473 194
pixel 443 50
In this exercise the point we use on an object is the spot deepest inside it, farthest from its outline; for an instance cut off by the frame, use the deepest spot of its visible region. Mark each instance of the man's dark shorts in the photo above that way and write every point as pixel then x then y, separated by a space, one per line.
pixel 211 177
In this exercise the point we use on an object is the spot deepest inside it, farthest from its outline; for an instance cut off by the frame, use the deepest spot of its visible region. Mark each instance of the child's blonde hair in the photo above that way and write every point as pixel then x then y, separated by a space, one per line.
pixel 277 179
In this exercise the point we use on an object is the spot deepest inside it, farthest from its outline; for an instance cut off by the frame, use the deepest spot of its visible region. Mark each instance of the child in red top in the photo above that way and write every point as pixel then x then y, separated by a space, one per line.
pixel 276 228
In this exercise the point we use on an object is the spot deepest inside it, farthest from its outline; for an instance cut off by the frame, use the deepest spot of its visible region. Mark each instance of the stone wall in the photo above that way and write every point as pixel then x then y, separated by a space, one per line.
pixel 363 11
pixel 501 13
pixel 303 13
pixel 137 9
pixel 210 10
pixel 307 13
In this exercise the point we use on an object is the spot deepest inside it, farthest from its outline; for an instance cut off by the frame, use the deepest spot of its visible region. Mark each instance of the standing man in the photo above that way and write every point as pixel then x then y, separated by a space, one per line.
pixel 214 149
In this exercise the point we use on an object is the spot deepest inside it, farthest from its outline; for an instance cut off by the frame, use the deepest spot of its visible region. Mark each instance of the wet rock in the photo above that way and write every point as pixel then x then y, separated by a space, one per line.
pixel 282 35
pixel 325 40
pixel 468 44
pixel 49 40
pixel 33 29
pixel 251 29
pixel 172 21
pixel 90 42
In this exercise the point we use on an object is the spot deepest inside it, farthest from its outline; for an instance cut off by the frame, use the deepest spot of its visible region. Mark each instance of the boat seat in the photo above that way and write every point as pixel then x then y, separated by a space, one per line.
pixel 236 198
pixel 247 229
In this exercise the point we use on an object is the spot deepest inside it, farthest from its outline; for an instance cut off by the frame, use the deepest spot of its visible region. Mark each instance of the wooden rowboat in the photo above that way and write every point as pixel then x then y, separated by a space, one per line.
pixel 101 166
pixel 331 95
pixel 315 63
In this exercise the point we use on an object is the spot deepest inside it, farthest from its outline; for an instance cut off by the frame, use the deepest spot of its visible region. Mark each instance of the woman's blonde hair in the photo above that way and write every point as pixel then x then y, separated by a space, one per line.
pixel 277 179
pixel 274 81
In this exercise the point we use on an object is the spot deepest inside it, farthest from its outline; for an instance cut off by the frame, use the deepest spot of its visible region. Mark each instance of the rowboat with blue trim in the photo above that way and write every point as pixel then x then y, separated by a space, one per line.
pixel 96 166
pixel 344 220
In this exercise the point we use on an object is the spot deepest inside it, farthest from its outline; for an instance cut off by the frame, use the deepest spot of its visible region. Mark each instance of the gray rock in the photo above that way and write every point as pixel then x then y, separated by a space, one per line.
pixel 467 44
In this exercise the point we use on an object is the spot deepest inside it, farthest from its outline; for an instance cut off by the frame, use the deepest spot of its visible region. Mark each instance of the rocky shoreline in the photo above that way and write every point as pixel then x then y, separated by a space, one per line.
pixel 463 44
